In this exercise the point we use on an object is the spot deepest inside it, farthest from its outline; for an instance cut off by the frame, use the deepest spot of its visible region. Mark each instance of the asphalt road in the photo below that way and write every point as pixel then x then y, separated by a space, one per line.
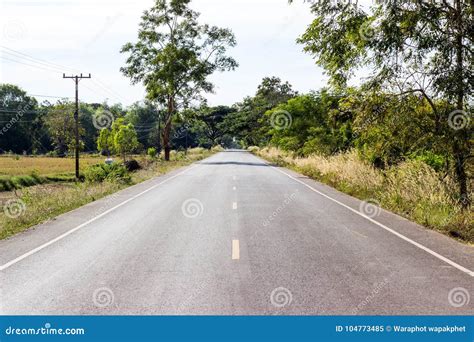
pixel 234 235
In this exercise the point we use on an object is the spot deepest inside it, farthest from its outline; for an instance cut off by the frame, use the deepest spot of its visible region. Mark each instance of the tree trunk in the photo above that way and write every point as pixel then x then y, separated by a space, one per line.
pixel 166 139
pixel 167 129
pixel 460 138
pixel 460 164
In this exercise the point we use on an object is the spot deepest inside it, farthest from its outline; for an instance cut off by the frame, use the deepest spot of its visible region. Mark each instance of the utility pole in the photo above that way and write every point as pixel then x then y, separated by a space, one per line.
pixel 76 79
pixel 186 149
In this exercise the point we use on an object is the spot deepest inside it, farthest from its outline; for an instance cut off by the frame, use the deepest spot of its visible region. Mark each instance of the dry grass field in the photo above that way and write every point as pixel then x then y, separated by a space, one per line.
pixel 43 166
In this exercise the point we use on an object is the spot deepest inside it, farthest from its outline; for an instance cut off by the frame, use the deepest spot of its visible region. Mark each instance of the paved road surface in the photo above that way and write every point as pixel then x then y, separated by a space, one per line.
pixel 233 235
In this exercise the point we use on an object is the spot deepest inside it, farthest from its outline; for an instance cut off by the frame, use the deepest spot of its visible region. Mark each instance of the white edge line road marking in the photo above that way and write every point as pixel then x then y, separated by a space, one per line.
pixel 235 250
pixel 234 205
pixel 43 246
pixel 403 237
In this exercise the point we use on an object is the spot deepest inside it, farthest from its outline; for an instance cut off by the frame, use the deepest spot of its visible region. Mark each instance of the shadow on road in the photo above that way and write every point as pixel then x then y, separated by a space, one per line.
pixel 236 163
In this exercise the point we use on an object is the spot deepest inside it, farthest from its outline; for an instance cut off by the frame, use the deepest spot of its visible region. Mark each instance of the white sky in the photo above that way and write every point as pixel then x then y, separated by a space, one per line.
pixel 87 35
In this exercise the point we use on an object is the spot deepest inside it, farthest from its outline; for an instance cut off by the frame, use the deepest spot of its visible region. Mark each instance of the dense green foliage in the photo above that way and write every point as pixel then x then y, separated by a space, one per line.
pixel 422 48
pixel 8 183
pixel 104 172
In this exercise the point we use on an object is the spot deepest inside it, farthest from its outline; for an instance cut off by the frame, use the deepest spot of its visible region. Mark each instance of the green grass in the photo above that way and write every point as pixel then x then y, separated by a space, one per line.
pixel 9 183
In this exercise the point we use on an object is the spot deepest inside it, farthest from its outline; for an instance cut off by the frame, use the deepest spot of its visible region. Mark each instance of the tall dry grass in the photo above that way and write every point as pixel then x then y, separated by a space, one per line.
pixel 412 189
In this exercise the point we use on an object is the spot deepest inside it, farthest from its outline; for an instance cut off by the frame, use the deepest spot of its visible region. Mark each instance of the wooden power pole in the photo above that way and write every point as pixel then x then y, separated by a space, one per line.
pixel 76 79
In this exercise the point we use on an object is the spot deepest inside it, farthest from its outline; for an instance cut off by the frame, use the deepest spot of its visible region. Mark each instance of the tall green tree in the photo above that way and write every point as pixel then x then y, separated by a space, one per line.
pixel 125 140
pixel 174 56
pixel 248 123
pixel 146 119
pixel 18 114
pixel 105 141
pixel 214 122
pixel 60 124
pixel 274 91
pixel 411 47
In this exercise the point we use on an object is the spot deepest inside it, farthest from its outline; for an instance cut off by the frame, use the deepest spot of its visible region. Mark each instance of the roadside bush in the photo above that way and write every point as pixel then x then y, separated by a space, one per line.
pixel 6 184
pixel 253 149
pixel 179 155
pixel 217 148
pixel 196 150
pixel 132 165
pixel 436 161
pixel 103 172
pixel 152 152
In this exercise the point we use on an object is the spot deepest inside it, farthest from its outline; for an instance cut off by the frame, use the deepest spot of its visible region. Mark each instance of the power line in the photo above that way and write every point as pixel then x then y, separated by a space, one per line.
pixel 42 110
pixel 58 68
pixel 47 69
pixel 31 60
pixel 110 90
pixel 30 65
pixel 51 96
